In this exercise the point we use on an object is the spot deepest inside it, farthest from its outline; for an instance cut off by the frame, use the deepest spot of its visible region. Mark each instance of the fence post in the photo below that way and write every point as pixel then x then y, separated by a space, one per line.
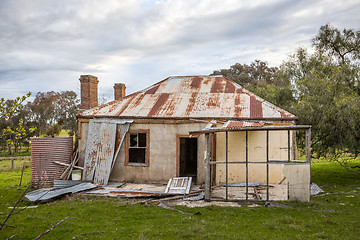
pixel 12 163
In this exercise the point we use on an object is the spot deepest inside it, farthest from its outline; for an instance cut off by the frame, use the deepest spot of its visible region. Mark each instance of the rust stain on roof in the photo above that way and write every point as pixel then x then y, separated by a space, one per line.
pixel 191 104
pixel 238 108
pixel 255 108
pixel 195 82
pixel 229 87
pixel 217 86
pixel 240 124
pixel 192 97
pixel 124 106
pixel 214 101
pixel 156 108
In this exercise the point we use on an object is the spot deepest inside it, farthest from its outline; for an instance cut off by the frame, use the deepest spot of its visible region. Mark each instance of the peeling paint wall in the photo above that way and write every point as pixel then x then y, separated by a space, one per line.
pixel 278 150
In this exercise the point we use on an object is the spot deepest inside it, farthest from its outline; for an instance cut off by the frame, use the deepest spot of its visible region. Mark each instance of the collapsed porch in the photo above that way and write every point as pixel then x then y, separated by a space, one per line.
pixel 294 186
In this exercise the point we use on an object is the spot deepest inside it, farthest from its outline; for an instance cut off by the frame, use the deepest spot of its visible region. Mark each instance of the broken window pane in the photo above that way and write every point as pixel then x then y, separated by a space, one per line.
pixel 137 148
pixel 133 140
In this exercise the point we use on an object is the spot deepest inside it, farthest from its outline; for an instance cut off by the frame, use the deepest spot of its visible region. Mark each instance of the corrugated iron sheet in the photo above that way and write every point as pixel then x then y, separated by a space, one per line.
pixel 44 195
pixel 44 151
pixel 100 148
pixel 192 97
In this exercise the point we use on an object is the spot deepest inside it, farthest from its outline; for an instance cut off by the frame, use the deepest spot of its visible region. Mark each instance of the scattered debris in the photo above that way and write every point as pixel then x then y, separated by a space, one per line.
pixel 44 194
pixel 24 207
pixel 68 165
pixel 67 172
pixel 136 193
pixel 195 198
pixel 242 184
pixel 315 189
pixel 192 204
pixel 47 231
pixel 179 185
pixel 273 204
pixel 66 183
pixel 161 204
pixel 332 211
pixel 257 194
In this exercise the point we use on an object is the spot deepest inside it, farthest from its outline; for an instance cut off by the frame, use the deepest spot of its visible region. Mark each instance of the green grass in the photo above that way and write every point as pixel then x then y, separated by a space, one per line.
pixel 5 163
pixel 114 218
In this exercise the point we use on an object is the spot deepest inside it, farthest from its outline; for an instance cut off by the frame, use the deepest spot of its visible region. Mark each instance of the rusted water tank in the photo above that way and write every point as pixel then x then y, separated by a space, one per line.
pixel 44 151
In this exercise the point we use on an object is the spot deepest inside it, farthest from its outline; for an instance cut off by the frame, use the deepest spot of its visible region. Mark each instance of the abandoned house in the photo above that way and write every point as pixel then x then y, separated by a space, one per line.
pixel 205 127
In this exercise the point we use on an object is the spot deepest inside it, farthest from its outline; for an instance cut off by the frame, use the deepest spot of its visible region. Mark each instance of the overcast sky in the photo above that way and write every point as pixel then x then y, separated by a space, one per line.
pixel 47 44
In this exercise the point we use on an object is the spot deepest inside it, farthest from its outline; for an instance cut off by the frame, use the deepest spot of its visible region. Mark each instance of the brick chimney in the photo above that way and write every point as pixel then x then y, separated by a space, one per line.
pixel 119 91
pixel 89 91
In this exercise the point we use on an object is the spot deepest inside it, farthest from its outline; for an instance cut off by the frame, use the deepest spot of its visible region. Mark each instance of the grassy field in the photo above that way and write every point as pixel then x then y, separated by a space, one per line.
pixel 334 215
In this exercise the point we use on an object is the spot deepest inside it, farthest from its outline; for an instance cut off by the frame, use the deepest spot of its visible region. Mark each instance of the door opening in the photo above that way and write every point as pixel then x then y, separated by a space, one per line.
pixel 188 157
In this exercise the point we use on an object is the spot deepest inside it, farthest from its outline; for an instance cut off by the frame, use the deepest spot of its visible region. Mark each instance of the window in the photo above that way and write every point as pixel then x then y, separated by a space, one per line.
pixel 137 148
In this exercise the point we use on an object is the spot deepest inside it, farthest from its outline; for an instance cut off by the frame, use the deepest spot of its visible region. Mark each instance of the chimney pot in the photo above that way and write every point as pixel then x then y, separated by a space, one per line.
pixel 119 91
pixel 89 91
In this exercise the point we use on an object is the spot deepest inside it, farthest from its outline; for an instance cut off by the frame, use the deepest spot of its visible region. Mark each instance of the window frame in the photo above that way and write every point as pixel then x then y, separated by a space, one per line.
pixel 147 148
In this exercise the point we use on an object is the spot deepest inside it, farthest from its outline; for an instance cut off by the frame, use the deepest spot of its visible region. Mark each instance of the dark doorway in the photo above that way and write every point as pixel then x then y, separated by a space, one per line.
pixel 188 157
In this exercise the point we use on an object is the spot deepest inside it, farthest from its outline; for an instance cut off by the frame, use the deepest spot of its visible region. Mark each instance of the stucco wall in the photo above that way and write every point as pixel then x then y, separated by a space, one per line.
pixel 278 150
pixel 162 158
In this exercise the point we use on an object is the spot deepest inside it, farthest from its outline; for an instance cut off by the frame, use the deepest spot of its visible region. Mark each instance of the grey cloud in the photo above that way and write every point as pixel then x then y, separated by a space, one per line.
pixel 58 40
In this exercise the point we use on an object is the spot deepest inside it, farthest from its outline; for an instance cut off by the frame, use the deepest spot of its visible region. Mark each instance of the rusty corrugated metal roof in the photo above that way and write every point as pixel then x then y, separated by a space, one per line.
pixel 188 97
pixel 241 124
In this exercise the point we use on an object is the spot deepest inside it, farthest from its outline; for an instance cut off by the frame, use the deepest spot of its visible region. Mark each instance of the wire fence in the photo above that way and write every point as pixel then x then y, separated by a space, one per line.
pixel 14 163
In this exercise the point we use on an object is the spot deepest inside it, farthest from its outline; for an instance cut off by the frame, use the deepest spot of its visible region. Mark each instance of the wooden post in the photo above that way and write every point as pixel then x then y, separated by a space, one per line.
pixel 227 166
pixel 207 168
pixel 308 145
pixel 12 163
pixel 247 165
pixel 267 165
pixel 22 173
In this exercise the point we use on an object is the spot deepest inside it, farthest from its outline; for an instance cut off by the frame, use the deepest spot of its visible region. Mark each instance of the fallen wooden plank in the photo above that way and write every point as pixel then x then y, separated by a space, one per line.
pixel 68 165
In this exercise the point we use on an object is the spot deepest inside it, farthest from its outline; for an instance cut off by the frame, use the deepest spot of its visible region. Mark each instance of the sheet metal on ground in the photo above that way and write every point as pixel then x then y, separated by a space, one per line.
pixel 100 148
pixel 48 194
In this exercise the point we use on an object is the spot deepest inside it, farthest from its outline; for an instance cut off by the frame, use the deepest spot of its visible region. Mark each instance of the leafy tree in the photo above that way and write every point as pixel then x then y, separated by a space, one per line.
pixel 267 82
pixel 345 45
pixel 12 122
pixel 327 91
pixel 52 111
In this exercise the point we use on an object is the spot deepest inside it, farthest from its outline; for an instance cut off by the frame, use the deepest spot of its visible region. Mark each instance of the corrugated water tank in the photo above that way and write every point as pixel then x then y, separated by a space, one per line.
pixel 44 151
